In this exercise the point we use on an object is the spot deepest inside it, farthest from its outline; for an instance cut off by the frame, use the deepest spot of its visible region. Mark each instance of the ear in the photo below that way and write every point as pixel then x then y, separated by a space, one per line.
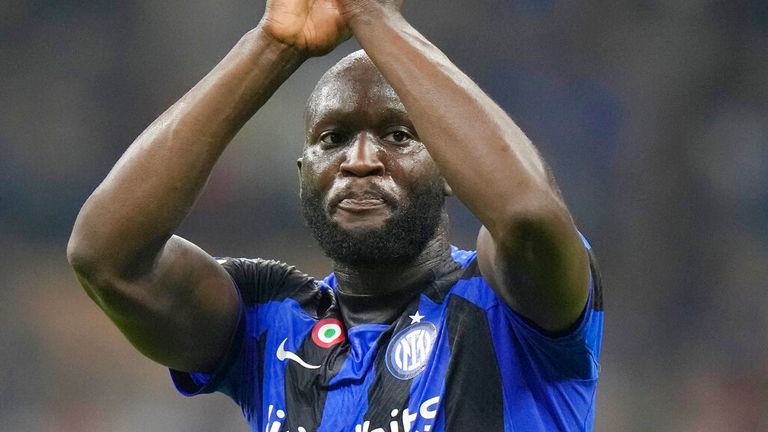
pixel 299 163
pixel 447 188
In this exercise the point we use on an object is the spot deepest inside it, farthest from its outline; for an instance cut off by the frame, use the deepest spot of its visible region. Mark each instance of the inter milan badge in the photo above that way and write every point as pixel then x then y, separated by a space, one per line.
pixel 409 349
pixel 328 332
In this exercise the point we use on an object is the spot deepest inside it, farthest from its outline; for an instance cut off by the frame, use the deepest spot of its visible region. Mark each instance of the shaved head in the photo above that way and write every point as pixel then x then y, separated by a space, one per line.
pixel 351 76
pixel 357 60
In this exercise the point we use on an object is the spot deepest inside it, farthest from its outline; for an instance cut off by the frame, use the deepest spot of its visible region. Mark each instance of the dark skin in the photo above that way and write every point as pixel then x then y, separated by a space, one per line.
pixel 178 306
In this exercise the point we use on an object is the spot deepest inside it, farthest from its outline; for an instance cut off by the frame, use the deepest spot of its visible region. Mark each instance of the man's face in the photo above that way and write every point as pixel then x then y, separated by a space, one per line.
pixel 370 191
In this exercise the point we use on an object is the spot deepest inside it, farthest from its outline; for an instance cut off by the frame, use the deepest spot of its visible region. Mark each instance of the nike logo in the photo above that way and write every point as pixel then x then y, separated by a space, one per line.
pixel 282 355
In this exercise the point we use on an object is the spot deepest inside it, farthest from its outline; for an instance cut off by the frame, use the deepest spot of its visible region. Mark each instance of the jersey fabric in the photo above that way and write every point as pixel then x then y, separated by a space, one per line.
pixel 449 356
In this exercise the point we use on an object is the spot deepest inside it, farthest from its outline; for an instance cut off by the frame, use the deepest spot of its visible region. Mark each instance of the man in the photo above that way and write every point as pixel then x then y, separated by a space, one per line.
pixel 408 333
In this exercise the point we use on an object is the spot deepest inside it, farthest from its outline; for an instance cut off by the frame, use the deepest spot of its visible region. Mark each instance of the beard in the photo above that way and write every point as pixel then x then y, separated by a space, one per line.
pixel 401 239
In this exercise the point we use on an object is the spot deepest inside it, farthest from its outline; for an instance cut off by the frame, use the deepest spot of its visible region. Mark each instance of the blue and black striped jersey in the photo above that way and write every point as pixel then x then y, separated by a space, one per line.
pixel 451 356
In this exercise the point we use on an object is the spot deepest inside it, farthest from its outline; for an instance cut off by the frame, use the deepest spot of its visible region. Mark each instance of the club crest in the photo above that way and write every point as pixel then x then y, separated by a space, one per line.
pixel 409 350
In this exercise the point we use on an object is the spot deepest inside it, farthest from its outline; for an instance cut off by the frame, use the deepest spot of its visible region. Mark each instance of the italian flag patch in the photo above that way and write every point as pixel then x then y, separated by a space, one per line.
pixel 328 332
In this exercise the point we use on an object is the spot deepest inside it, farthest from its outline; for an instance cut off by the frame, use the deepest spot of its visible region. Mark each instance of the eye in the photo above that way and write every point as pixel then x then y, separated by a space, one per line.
pixel 398 137
pixel 332 138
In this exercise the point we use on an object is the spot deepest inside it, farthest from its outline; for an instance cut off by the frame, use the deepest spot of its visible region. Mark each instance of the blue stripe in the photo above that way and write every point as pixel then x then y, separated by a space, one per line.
pixel 585 241
pixel 285 319
pixel 461 256
pixel 347 400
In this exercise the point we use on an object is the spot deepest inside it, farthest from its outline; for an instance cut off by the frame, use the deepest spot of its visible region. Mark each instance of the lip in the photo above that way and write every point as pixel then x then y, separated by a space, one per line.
pixel 360 198
pixel 360 205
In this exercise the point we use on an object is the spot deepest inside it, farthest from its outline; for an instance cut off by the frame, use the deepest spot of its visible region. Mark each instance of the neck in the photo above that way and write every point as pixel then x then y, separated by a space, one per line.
pixel 387 278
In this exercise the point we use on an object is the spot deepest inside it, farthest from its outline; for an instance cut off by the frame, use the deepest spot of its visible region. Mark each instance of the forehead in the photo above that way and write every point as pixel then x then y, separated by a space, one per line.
pixel 355 90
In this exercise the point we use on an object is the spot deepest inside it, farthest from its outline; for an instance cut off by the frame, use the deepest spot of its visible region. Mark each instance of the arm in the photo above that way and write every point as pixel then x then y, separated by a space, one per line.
pixel 528 249
pixel 170 298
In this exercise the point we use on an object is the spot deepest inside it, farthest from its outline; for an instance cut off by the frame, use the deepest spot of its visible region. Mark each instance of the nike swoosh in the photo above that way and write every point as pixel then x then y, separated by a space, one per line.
pixel 282 354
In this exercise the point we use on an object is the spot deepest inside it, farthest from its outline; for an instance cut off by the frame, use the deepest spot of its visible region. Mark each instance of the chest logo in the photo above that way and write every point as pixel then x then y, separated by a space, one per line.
pixel 409 350
pixel 283 355
pixel 328 332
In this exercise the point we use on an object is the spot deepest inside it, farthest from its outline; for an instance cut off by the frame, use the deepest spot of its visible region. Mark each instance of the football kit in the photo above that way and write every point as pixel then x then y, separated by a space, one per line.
pixel 449 355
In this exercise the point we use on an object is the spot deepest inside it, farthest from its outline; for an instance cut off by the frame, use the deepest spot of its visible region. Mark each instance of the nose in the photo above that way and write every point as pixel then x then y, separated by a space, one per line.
pixel 362 158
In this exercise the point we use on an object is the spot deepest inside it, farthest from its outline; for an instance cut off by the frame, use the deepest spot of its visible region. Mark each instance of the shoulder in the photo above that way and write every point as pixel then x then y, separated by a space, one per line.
pixel 469 282
pixel 260 281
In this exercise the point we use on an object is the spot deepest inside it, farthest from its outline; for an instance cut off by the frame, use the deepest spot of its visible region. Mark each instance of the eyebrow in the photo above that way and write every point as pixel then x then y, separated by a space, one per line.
pixel 384 116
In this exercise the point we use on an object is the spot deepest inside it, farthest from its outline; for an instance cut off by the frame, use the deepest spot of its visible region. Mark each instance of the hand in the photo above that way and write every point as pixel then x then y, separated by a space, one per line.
pixel 314 27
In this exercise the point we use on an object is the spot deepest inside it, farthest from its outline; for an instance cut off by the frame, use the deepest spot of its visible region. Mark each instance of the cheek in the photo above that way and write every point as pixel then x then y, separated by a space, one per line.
pixel 417 166
pixel 317 174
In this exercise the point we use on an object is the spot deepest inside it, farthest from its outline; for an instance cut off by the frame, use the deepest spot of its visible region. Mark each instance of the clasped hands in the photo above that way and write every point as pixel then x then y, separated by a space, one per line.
pixel 316 27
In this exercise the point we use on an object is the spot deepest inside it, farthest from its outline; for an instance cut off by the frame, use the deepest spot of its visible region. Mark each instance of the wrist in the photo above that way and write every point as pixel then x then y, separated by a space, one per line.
pixel 261 38
pixel 364 14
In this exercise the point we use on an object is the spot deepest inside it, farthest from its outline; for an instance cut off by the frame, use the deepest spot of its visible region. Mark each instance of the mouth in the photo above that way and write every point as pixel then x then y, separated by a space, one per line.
pixel 361 201
pixel 360 205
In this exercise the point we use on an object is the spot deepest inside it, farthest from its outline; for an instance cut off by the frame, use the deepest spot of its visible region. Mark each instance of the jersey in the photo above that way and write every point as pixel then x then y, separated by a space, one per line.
pixel 448 356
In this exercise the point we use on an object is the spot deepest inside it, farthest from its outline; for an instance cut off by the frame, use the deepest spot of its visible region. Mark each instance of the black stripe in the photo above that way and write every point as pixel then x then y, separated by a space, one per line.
pixel 306 390
pixel 446 277
pixel 597 281
pixel 260 281
pixel 473 395
pixel 259 368
pixel 472 270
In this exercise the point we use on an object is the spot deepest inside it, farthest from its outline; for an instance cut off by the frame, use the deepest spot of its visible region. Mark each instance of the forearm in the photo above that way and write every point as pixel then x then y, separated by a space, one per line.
pixel 528 249
pixel 474 143
pixel 147 194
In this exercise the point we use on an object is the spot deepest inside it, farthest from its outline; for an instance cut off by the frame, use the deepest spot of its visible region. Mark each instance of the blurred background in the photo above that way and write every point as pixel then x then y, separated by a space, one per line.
pixel 653 114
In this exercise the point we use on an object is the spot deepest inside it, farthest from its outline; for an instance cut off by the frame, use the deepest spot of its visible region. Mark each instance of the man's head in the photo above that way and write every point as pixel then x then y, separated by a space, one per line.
pixel 370 191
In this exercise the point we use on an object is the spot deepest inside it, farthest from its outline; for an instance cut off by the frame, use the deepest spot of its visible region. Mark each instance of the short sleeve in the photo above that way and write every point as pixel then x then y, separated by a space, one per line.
pixel 574 353
pixel 258 282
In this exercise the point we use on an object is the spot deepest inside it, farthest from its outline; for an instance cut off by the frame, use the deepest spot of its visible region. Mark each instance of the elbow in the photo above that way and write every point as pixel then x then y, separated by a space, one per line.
pixel 80 255
pixel 99 268
pixel 76 255
pixel 80 252
pixel 87 259
pixel 92 272
pixel 88 251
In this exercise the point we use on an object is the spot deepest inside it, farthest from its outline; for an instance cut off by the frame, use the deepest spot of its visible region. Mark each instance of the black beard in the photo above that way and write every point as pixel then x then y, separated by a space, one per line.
pixel 400 240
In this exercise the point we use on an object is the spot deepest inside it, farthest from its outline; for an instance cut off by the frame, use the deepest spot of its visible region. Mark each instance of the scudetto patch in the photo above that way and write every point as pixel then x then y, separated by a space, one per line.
pixel 409 350
pixel 328 332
